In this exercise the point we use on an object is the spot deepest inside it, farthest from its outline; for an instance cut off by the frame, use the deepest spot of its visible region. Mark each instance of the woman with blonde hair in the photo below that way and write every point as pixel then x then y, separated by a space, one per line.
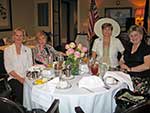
pixel 44 52
pixel 17 59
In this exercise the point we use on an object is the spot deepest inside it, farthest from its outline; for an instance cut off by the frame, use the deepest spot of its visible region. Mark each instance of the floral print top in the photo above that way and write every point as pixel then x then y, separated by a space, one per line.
pixel 45 55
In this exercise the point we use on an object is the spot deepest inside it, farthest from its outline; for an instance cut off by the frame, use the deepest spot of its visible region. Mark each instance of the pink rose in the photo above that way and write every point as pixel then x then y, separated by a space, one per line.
pixel 70 51
pixel 84 49
pixel 77 54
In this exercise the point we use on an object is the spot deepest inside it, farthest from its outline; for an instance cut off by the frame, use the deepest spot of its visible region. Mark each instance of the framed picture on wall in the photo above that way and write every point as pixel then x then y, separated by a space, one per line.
pixel 5 15
pixel 119 14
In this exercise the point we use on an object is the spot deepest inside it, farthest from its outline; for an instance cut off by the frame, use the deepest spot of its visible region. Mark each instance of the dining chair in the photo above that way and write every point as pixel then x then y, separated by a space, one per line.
pixel 54 108
pixel 5 89
pixel 78 109
pixel 8 106
pixel 139 108
pixel 2 67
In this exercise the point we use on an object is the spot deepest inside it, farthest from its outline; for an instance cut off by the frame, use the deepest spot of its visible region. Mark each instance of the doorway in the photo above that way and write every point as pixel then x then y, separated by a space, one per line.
pixel 64 23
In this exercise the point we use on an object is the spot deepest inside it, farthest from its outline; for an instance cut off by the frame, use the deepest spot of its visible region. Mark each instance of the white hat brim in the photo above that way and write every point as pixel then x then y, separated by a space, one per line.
pixel 100 22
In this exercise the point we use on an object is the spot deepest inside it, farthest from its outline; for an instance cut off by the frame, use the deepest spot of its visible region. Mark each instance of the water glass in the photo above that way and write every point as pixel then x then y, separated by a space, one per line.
pixel 50 61
pixel 90 62
pixel 60 59
pixel 103 68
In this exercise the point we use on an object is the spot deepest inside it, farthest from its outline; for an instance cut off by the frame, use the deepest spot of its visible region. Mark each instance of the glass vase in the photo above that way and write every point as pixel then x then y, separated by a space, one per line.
pixel 75 68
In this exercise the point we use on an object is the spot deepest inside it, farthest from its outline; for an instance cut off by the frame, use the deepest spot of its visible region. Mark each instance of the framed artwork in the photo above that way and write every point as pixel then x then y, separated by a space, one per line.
pixel 5 15
pixel 120 15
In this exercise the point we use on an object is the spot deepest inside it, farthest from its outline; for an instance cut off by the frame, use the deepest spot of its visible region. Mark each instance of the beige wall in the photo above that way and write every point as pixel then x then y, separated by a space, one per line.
pixel 84 7
pixel 22 15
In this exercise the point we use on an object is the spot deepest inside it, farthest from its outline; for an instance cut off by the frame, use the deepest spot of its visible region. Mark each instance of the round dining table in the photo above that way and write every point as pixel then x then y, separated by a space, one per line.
pixel 98 100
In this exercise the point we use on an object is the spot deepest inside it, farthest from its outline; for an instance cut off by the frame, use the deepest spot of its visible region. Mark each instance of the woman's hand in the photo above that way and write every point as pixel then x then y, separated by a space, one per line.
pixel 17 76
pixel 61 53
pixel 21 80
pixel 124 67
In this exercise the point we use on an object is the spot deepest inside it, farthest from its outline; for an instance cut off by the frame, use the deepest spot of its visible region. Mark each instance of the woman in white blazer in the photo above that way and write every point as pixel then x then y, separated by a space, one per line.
pixel 17 59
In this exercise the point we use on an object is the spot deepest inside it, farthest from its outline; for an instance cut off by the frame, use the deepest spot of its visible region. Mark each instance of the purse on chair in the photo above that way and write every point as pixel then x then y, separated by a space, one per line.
pixel 8 106
pixel 126 98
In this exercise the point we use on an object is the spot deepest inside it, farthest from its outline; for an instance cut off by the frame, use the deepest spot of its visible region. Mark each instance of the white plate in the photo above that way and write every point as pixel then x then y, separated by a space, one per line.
pixel 59 86
pixel 42 80
pixel 36 68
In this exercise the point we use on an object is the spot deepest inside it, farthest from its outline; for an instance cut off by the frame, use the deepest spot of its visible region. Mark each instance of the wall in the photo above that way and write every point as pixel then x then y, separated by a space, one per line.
pixel 22 15
pixel 83 8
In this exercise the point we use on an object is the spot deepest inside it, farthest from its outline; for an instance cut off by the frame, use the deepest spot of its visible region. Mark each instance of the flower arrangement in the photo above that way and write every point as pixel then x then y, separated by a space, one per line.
pixel 74 54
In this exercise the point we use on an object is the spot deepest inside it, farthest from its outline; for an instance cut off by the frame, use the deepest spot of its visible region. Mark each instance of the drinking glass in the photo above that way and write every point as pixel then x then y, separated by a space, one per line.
pixel 60 59
pixel 103 68
pixel 95 68
pixel 57 69
pixel 50 61
pixel 90 62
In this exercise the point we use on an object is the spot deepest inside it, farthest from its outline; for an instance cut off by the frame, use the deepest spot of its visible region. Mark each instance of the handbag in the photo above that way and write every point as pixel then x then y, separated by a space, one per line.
pixel 125 98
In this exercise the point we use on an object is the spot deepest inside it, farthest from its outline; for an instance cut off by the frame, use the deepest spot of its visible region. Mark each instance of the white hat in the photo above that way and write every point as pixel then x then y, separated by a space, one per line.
pixel 100 22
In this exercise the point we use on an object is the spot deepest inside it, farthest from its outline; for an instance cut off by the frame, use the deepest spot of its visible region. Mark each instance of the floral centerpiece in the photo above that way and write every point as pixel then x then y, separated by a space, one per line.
pixel 74 54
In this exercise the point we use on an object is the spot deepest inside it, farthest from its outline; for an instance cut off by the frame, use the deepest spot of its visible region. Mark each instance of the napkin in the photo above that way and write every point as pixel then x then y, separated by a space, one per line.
pixel 41 93
pixel 90 82
pixel 120 76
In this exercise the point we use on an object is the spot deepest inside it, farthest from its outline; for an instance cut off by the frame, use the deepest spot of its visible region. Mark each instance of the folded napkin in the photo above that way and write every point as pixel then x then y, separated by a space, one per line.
pixel 41 93
pixel 91 82
pixel 120 76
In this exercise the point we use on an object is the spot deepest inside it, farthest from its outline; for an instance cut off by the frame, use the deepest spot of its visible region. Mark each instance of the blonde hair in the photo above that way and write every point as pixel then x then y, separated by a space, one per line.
pixel 40 33
pixel 19 29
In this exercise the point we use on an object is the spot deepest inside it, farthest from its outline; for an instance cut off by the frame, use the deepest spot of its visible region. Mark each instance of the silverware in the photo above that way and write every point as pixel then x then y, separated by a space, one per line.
pixel 106 86
pixel 88 89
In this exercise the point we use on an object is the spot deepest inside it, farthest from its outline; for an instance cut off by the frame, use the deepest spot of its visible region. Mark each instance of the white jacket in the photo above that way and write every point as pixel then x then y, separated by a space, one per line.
pixel 115 47
pixel 18 63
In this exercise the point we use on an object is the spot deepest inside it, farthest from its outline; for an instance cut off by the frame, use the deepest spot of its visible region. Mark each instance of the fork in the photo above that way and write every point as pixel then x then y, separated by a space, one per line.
pixel 88 89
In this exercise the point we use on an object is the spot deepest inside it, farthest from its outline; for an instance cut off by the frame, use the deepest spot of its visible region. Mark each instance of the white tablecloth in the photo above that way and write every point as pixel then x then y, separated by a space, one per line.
pixel 100 101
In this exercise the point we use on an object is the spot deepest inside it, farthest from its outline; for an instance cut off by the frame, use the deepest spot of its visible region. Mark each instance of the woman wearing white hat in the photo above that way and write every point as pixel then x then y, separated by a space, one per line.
pixel 105 48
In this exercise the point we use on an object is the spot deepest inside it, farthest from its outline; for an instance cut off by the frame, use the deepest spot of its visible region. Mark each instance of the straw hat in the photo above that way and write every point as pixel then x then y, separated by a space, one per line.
pixel 100 22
